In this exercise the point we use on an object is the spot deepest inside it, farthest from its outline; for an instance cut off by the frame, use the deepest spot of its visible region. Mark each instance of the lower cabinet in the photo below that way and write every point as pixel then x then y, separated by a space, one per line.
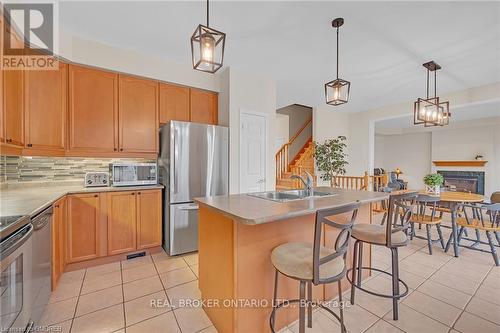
pixel 58 240
pixel 84 227
pixel 110 223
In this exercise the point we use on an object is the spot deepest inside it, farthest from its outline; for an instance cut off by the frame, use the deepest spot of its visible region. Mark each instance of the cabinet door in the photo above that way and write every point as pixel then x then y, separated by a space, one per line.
pixel 45 108
pixel 13 101
pixel 149 228
pixel 174 103
pixel 121 209
pixel 58 240
pixel 138 115
pixel 83 234
pixel 203 107
pixel 93 110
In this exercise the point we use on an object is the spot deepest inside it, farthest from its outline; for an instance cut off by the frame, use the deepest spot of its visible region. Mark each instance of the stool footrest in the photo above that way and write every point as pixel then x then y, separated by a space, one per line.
pixel 398 296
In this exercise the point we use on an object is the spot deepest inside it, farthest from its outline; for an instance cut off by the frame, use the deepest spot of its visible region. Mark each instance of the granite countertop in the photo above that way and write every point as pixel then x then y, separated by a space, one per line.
pixel 251 210
pixel 31 200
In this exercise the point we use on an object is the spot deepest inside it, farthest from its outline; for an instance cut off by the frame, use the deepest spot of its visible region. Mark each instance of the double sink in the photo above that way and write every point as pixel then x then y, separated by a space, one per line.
pixel 290 195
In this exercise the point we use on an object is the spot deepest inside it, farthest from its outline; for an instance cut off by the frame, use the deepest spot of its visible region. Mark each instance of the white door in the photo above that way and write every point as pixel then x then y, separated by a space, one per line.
pixel 253 143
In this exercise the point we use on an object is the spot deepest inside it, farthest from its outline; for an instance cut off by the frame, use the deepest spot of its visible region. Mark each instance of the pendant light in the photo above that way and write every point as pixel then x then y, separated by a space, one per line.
pixel 207 47
pixel 337 91
pixel 430 111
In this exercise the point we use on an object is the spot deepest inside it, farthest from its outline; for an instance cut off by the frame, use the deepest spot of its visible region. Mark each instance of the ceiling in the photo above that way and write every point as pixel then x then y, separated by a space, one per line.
pixel 461 117
pixel 383 44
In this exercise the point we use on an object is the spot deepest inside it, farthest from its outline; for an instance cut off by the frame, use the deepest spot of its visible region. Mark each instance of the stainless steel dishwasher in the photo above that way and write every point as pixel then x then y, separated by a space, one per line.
pixel 41 278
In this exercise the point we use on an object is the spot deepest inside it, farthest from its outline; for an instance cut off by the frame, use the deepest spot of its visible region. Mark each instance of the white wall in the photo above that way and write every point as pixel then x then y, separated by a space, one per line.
pixel 282 130
pixel 247 92
pixel 329 123
pixel 409 152
pixel 83 51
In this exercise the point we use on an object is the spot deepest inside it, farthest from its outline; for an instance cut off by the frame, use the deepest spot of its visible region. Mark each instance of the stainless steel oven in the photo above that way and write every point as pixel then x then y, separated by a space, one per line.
pixel 131 174
pixel 16 278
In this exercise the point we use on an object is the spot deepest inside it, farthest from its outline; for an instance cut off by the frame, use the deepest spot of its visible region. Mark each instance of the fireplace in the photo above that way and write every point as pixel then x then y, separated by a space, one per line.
pixel 464 181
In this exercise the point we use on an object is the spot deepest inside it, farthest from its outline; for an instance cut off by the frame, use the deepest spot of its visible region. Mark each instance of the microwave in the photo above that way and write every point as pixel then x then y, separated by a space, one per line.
pixel 130 174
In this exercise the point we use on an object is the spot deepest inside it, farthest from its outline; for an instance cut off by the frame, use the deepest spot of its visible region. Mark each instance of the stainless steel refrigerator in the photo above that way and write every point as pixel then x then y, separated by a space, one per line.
pixel 193 162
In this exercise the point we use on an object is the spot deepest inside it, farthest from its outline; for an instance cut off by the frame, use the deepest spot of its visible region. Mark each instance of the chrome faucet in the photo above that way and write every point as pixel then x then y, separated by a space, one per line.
pixel 308 183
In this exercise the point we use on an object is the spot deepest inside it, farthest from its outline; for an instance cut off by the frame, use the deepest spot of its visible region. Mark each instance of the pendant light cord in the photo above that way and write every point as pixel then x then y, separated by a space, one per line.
pixel 207 14
pixel 337 53
pixel 427 83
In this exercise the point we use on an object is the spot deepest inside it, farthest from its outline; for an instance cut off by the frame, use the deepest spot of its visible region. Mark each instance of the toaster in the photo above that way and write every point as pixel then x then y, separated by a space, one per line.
pixel 95 179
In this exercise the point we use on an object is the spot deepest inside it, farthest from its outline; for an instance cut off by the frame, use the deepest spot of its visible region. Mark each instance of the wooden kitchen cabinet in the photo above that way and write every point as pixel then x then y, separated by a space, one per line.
pixel 203 107
pixel 121 211
pixel 149 219
pixel 93 110
pixel 84 227
pixel 138 115
pixel 46 110
pixel 58 240
pixel 174 103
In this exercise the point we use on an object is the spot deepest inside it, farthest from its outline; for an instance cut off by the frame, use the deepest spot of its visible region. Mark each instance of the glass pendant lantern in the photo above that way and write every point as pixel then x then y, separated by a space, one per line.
pixel 337 91
pixel 431 111
pixel 207 47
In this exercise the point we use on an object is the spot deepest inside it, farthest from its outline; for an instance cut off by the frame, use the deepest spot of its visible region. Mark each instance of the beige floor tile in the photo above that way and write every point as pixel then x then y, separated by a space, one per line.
pixel 440 311
pixel 194 268
pixel 178 276
pixel 63 327
pixel 183 292
pixel 142 287
pixel 170 264
pixel 192 319
pixel 138 272
pixel 161 256
pixel 136 262
pixel 465 270
pixel 416 268
pixel 376 305
pixel 73 276
pixel 65 291
pixel 382 326
pixel 382 284
pixel 426 259
pixel 488 293
pixel 413 281
pixel 191 259
pixel 103 269
pixel 160 324
pixel 146 307
pixel 469 323
pixel 484 309
pixel 412 321
pixel 99 300
pixel 103 281
pixel 455 282
pixel 444 293
pixel 491 280
pixel 321 324
pixel 107 320
pixel 59 311
pixel 356 319
pixel 212 329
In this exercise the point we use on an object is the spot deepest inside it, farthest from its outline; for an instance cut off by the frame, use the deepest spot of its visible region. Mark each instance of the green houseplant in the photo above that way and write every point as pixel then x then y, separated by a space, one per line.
pixel 433 182
pixel 331 157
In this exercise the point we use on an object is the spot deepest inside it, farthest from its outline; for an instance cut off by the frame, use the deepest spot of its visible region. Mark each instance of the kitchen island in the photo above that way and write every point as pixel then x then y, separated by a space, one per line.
pixel 236 236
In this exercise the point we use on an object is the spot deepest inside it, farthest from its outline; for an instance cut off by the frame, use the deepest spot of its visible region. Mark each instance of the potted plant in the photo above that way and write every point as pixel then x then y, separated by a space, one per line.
pixel 331 157
pixel 433 183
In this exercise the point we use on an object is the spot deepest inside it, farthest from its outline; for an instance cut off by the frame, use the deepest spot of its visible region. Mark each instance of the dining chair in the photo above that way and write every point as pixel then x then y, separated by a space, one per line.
pixel 425 214
pixel 314 264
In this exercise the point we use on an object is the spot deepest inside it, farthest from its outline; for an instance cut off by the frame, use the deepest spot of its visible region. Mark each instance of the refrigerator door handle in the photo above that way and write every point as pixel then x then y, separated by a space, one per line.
pixel 191 207
pixel 174 182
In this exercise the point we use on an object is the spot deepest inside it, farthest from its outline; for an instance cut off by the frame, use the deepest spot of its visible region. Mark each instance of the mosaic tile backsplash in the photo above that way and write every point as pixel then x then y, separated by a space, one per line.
pixel 18 169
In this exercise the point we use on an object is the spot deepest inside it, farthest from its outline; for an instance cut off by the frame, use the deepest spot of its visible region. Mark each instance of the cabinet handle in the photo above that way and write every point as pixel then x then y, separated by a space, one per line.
pixel 115 149
pixel 121 149
pixel 139 193
pixel 95 195
pixel 132 193
pixel 29 145
pixel 9 140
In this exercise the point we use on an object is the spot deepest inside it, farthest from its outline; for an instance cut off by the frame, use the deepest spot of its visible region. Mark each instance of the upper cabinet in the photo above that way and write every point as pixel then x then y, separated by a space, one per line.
pixel 46 103
pixel 13 100
pixel 174 103
pixel 204 105
pixel 138 115
pixel 93 110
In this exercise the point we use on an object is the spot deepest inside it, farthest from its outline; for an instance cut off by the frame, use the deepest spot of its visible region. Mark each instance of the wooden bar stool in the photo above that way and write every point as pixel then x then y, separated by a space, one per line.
pixel 481 218
pixel 393 235
pixel 427 204
pixel 314 264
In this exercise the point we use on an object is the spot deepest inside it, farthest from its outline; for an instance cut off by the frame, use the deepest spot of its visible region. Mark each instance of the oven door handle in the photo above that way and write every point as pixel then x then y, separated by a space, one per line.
pixel 8 251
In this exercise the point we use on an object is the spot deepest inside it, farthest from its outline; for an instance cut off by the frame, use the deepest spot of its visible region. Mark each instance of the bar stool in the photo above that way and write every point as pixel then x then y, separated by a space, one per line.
pixel 314 264
pixel 426 203
pixel 393 235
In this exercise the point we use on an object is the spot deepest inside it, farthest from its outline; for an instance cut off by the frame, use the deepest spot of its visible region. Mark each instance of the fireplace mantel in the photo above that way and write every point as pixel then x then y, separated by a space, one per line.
pixel 470 163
